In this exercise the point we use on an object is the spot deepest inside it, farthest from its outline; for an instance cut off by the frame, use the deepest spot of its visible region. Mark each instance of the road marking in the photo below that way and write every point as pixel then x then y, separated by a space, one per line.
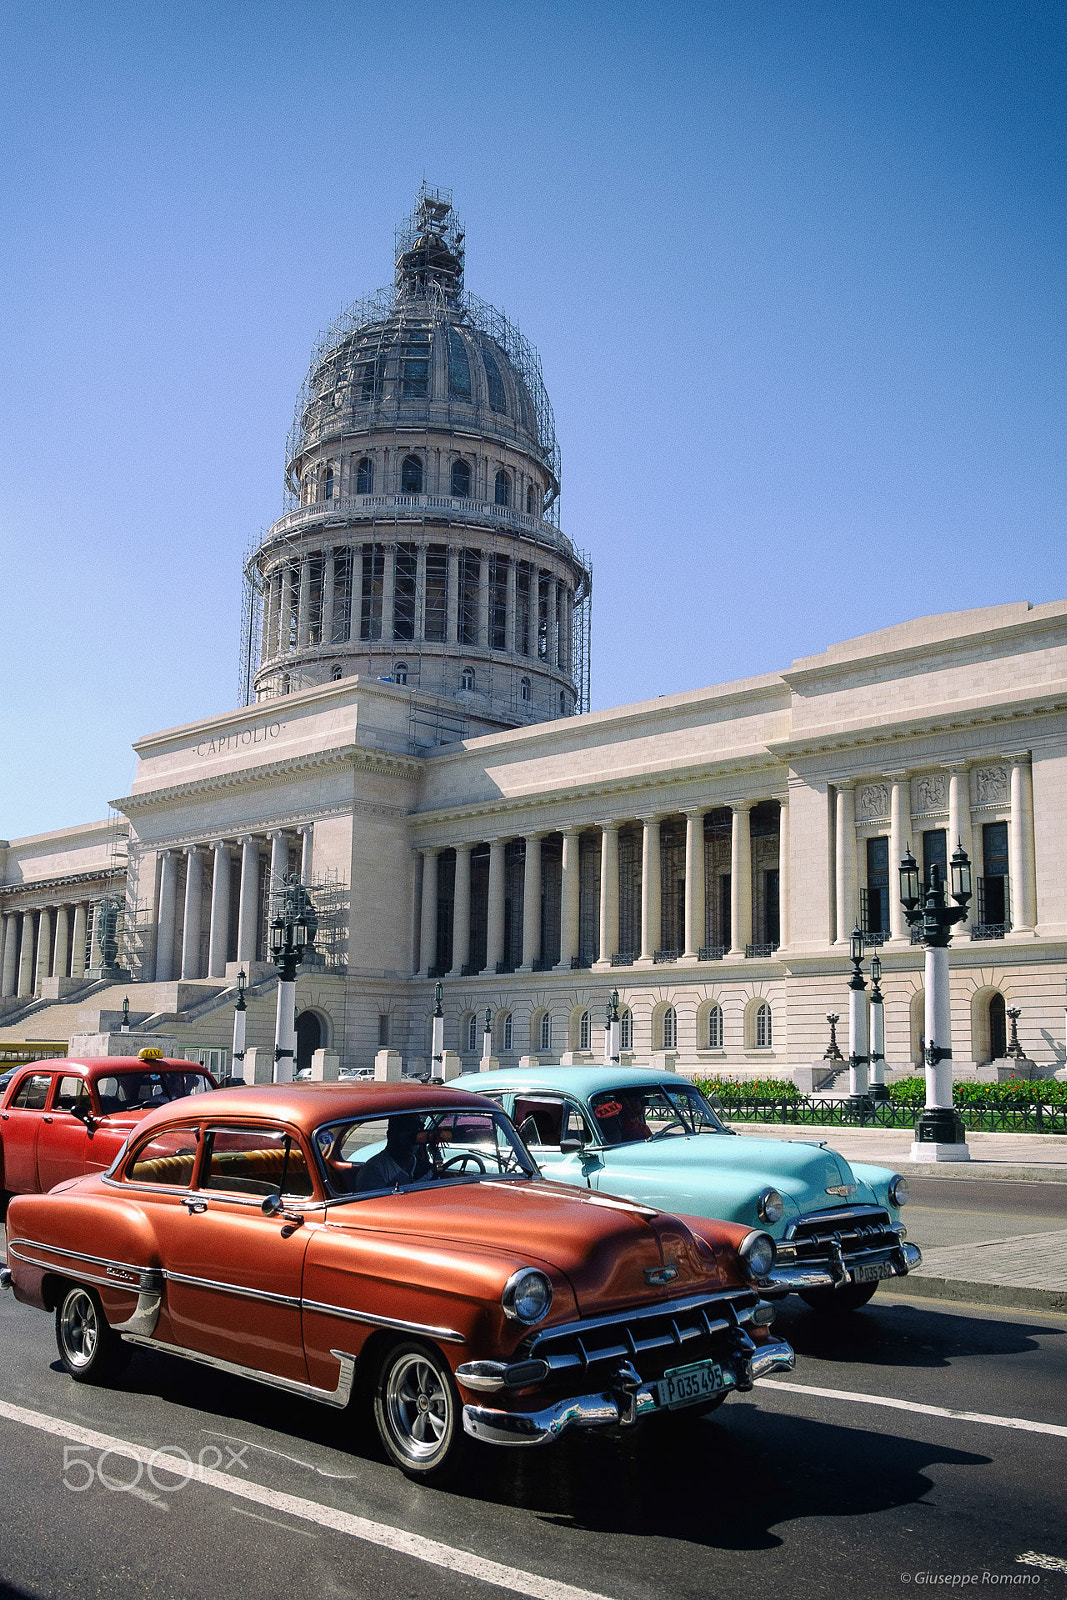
pixel 913 1405
pixel 397 1540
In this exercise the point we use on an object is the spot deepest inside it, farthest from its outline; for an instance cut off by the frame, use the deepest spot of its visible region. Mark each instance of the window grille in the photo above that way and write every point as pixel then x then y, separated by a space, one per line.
pixel 545 1038
pixel 715 1028
pixel 584 1031
pixel 365 476
pixel 670 1029
pixel 763 1026
pixel 626 1030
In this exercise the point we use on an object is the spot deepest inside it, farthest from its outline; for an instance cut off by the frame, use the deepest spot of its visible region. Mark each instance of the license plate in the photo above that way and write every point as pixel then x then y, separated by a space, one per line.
pixel 685 1385
pixel 871 1271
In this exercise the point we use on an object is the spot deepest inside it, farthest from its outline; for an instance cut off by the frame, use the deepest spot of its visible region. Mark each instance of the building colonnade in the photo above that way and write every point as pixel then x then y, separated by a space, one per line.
pixel 43 942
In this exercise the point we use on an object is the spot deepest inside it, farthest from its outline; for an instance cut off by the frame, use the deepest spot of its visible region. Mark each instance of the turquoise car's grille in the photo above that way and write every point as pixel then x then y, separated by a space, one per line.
pixel 859 1232
pixel 652 1337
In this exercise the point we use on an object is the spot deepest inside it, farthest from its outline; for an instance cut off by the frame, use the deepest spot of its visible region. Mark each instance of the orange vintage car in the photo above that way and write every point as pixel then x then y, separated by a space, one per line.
pixel 61 1118
pixel 393 1245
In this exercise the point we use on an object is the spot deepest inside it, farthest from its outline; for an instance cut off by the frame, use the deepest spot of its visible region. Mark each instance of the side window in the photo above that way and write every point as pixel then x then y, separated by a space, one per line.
pixel 33 1092
pixel 540 1121
pixel 256 1161
pixel 168 1158
pixel 71 1092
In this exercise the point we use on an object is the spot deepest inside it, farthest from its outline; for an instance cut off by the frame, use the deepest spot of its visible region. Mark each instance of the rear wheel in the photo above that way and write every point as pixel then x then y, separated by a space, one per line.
pixel 418 1412
pixel 89 1348
pixel 835 1301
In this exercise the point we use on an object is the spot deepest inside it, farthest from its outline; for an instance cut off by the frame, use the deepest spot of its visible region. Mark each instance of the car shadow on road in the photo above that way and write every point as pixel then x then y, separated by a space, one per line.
pixel 694 1481
pixel 889 1333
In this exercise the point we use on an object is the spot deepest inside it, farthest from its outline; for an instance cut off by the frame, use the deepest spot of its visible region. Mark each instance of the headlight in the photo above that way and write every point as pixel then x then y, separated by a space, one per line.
pixel 756 1254
pixel 770 1206
pixel 898 1190
pixel 527 1295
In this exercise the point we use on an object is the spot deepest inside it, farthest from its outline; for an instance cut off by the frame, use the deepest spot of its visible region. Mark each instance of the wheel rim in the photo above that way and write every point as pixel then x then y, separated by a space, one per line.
pixel 79 1328
pixel 418 1407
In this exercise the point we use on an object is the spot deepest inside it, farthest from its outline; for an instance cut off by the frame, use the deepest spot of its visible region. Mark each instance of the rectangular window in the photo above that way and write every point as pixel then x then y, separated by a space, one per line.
pixel 436 592
pixel 772 923
pixel 994 907
pixel 168 1158
pixel 342 596
pixel 995 849
pixel 255 1161
pixel 725 910
pixel 470 569
pixel 370 619
pixel 498 601
pixel 415 367
pixel 934 853
pixel 877 920
pixel 522 608
pixel 316 569
pixel 383 1029
pixel 404 593
pixel 543 582
pixel 33 1092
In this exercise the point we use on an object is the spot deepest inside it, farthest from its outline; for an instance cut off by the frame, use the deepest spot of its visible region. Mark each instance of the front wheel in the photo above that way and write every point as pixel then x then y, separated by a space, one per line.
pixel 835 1301
pixel 89 1348
pixel 418 1412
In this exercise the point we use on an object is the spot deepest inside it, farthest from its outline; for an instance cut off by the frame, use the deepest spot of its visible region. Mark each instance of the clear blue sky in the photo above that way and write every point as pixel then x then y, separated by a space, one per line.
pixel 795 270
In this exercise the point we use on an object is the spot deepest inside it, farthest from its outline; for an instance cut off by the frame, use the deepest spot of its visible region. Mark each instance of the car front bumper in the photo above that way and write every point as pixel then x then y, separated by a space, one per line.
pixel 624 1401
pixel 832 1250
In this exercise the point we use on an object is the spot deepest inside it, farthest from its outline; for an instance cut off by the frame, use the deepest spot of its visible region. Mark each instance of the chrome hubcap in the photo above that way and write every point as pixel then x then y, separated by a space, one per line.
pixel 79 1328
pixel 418 1407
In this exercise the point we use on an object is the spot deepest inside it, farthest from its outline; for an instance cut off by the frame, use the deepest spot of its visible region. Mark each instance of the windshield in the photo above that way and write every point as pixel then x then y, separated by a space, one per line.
pixel 128 1091
pixel 415 1149
pixel 652 1111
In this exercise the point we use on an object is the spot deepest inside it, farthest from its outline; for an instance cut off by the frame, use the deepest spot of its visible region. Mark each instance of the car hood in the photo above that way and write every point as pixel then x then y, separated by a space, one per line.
pixel 801 1171
pixel 612 1252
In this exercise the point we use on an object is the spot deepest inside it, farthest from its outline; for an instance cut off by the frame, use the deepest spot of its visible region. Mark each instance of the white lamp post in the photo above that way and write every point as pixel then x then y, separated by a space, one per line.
pixel 437 1047
pixel 939 1133
pixel 878 1090
pixel 240 1016
pixel 487 1035
pixel 292 933
pixel 857 1026
pixel 612 1031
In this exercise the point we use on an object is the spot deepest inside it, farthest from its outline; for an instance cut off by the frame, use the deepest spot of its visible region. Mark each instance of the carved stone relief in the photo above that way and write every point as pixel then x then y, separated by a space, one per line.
pixel 990 785
pixel 931 792
pixel 873 800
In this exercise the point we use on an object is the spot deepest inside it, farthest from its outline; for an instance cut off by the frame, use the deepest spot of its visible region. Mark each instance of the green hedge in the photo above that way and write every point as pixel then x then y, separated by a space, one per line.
pixel 730 1090
pixel 1015 1092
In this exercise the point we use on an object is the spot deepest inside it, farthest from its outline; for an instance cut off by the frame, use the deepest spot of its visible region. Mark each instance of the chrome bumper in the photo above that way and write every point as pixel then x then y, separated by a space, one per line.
pixel 627 1401
pixel 835 1274
pixel 5 1276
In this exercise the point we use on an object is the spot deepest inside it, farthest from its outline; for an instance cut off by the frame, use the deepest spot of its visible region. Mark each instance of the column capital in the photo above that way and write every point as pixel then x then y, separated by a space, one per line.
pixel 192 849
pixel 572 833
pixel 1017 758
pixel 535 833
pixel 956 766
pixel 898 775
pixel 220 844
pixel 646 817
pixel 612 826
pixel 463 849
pixel 696 812
pixel 247 838
pixel 429 849
pixel 742 805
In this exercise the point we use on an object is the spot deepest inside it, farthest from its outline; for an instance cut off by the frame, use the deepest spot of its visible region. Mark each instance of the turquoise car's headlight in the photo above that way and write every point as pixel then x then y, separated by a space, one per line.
pixel 770 1206
pixel 527 1296
pixel 898 1190
pixel 756 1255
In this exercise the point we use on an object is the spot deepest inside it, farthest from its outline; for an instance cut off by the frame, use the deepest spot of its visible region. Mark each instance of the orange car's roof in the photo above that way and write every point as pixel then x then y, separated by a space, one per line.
pixel 106 1066
pixel 308 1105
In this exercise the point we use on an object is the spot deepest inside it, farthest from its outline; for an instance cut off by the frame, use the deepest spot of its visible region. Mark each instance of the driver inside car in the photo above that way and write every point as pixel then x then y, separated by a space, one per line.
pixel 404 1159
pixel 622 1120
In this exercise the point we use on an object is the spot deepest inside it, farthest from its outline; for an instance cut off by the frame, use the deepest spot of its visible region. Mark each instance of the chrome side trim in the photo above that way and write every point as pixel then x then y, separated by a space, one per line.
pixel 142 1320
pixel 71 1255
pixel 448 1335
pixel 337 1398
pixel 245 1293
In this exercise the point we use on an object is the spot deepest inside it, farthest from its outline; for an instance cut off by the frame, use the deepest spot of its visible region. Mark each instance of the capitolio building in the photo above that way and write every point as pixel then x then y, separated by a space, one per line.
pixel 416 746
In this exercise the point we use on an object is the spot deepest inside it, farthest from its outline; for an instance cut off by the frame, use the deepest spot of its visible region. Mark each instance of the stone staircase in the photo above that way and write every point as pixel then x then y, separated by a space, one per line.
pixel 154 1007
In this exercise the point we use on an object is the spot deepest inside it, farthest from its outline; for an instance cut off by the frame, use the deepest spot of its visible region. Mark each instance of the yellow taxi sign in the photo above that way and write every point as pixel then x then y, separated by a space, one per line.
pixel 149 1054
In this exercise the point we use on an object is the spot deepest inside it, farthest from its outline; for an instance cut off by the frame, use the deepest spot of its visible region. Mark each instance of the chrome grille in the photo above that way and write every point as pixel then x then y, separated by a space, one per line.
pixel 652 1337
pixel 857 1231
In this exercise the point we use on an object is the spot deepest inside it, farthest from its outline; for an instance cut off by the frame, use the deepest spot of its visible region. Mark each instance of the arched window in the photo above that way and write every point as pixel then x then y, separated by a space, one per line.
pixel 715 1028
pixel 626 1029
pixel 466 678
pixel 998 1028
pixel 524 690
pixel 502 494
pixel 472 1031
pixel 544 1041
pixel 670 1029
pixel 400 672
pixel 584 1032
pixel 286 684
pixel 493 382
pixel 531 500
pixel 337 673
pixel 328 484
pixel 459 367
pixel 506 1033
pixel 461 479
pixel 411 476
pixel 763 1026
pixel 365 476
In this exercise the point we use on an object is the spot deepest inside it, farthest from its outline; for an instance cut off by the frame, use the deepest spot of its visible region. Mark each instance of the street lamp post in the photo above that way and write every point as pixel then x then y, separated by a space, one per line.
pixel 437 1046
pixel 612 1031
pixel 240 1015
pixel 939 1133
pixel 857 1026
pixel 292 934
pixel 487 1035
pixel 878 1090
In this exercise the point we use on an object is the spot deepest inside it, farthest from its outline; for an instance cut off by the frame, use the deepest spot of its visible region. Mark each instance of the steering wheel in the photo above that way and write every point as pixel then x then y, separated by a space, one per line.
pixel 460 1162
pixel 671 1127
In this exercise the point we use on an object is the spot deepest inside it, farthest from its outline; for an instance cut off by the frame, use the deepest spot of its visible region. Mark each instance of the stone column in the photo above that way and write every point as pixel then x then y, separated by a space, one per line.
pixel 845 839
pixel 248 910
pixel 494 942
pixel 569 908
pixel 328 577
pixel 609 892
pixel 307 848
pixel 428 924
pixel 694 883
pixel 531 902
pixel 553 623
pixel 651 882
pixel 388 591
pixel 279 858
pixel 509 612
pixel 960 831
pixel 62 953
pixel 25 978
pixel 420 592
pixel 452 598
pixel 303 606
pixel 482 629
pixel 44 948
pixel 194 884
pixel 268 613
pixel 77 952
pixel 168 905
pixel 461 911
pixel 219 937
pixel 96 955
pixel 1021 859
pixel 740 879
pixel 564 619
pixel 899 840
pixel 9 962
pixel 783 874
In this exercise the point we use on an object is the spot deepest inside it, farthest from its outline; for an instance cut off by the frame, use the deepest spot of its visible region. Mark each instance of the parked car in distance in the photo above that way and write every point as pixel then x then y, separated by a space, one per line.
pixel 61 1118
pixel 652 1137
pixel 394 1243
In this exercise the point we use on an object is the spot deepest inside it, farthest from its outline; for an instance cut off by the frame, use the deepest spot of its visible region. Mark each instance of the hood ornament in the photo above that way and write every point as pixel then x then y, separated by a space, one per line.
pixel 844 1191
pixel 659 1275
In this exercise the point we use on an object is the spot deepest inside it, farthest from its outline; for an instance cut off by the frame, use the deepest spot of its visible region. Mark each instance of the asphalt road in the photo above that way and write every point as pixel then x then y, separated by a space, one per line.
pixel 952 1211
pixel 781 1493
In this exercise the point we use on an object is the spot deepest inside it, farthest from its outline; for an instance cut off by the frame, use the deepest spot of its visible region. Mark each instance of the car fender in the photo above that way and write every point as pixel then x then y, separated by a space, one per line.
pixel 78 1234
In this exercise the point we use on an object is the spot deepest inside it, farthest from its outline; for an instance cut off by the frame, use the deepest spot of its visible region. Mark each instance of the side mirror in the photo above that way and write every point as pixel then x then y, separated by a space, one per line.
pixel 272 1205
pixel 82 1110
pixel 571 1143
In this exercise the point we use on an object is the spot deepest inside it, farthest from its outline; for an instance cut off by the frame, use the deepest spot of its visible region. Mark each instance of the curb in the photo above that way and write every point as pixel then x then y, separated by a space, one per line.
pixel 994 1171
pixel 1007 1295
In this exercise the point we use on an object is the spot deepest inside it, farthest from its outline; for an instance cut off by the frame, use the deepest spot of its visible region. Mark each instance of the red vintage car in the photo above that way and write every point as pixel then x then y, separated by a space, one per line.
pixel 61 1118
pixel 393 1245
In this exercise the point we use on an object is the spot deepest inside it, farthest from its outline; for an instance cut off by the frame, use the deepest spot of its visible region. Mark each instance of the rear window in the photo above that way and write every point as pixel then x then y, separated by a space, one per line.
pixel 168 1158
pixel 140 1091
pixel 32 1092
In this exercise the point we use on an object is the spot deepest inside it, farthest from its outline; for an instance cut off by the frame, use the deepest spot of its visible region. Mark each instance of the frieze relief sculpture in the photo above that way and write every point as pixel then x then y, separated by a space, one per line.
pixel 874 800
pixel 990 785
pixel 931 792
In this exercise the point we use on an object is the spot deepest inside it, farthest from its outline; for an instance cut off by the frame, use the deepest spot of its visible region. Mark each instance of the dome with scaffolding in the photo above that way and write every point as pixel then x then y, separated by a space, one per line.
pixel 422 477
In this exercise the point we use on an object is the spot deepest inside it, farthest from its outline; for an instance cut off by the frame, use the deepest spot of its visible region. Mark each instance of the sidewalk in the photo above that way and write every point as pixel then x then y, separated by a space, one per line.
pixel 1024 1157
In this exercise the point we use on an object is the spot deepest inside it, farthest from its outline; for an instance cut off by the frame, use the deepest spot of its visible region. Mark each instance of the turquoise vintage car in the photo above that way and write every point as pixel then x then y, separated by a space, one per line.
pixel 652 1136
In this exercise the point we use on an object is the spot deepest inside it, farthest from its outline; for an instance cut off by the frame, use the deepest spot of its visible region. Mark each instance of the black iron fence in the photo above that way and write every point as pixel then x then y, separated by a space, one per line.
pixel 887 1114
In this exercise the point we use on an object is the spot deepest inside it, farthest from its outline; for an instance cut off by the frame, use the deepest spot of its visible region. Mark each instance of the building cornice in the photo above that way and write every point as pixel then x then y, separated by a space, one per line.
pixel 361 758
pixel 65 880
pixel 811 669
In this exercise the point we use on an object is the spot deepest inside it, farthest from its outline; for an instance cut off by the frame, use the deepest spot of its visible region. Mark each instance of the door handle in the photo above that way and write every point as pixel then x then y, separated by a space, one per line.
pixel 46 1119
pixel 195 1206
